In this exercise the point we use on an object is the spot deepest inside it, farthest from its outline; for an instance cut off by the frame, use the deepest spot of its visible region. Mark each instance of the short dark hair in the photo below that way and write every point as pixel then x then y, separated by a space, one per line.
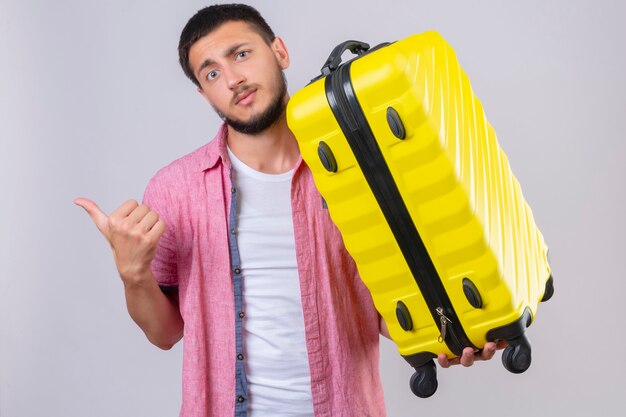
pixel 210 18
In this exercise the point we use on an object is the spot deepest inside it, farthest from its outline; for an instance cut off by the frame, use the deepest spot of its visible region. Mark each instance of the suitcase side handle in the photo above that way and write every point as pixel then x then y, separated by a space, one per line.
pixel 334 59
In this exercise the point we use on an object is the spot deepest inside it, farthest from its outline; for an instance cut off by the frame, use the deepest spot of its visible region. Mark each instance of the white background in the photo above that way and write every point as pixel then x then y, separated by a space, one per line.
pixel 92 103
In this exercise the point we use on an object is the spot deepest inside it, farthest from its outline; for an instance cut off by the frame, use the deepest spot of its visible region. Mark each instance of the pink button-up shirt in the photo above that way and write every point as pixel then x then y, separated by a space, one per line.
pixel 193 196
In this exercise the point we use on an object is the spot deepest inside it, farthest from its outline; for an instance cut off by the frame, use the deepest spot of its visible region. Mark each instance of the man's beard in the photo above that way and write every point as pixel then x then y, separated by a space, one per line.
pixel 265 119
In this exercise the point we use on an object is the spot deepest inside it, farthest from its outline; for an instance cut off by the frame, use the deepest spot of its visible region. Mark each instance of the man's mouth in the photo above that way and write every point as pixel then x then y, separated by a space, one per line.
pixel 245 96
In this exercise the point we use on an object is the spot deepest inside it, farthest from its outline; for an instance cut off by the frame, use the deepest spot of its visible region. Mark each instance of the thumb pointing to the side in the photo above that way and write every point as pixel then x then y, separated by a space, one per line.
pixel 97 215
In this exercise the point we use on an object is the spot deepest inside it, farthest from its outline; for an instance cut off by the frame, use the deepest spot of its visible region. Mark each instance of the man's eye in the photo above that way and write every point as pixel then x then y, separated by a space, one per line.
pixel 242 54
pixel 211 75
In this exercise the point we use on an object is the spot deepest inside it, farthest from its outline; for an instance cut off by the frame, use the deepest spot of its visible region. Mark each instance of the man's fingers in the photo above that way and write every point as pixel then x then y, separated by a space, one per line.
pixel 97 215
pixel 501 344
pixel 125 209
pixel 467 357
pixel 488 351
pixel 138 214
pixel 148 220
pixel 157 230
pixel 127 216
pixel 444 362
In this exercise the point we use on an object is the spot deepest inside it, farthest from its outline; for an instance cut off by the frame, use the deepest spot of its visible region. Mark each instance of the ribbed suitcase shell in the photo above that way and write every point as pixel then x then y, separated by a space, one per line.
pixel 454 179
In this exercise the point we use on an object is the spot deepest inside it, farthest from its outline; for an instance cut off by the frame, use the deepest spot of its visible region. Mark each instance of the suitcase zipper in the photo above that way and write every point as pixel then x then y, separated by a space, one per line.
pixel 443 320
pixel 350 117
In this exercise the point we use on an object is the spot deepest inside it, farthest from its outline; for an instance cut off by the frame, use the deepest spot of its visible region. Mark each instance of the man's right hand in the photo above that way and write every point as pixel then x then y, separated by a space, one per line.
pixel 133 232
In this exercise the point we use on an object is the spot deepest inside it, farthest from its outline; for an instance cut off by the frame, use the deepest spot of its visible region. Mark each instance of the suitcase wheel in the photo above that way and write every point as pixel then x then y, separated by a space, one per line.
pixel 395 123
pixel 549 292
pixel 424 381
pixel 326 157
pixel 516 357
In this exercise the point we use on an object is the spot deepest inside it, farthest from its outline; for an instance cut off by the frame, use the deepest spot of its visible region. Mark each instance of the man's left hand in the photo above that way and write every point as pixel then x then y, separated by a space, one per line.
pixel 468 357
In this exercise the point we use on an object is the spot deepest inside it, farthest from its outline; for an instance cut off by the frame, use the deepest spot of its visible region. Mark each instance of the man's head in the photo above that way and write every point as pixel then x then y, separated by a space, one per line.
pixel 237 63
pixel 210 18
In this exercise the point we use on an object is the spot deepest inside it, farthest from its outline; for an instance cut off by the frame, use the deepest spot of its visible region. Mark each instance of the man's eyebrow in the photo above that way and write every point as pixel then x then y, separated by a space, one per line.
pixel 234 48
pixel 208 62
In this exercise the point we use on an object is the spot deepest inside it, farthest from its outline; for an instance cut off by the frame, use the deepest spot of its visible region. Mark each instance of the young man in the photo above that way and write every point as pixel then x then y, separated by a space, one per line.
pixel 233 249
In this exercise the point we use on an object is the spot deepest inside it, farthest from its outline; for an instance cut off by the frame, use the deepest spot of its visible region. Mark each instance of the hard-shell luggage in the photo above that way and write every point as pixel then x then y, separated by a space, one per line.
pixel 427 205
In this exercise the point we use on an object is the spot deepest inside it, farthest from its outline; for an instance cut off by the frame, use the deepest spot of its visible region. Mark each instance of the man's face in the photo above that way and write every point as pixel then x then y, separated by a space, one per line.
pixel 241 76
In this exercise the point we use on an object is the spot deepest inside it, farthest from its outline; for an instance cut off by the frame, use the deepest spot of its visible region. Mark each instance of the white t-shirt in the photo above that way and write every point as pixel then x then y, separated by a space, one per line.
pixel 277 365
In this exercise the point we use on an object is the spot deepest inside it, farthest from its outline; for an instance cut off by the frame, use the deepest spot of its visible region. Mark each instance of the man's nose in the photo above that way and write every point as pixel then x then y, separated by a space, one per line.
pixel 234 78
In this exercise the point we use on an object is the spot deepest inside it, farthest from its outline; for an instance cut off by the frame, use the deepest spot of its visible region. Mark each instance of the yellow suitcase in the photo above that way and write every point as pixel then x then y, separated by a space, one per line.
pixel 425 200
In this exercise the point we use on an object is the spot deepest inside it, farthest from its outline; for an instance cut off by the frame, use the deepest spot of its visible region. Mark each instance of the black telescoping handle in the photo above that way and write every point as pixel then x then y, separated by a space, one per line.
pixel 333 61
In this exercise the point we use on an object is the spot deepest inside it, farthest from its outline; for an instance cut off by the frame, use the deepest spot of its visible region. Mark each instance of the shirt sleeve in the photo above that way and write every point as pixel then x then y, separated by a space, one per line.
pixel 164 265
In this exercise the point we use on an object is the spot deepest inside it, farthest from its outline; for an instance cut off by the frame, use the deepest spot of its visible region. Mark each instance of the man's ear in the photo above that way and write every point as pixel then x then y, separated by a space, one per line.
pixel 281 53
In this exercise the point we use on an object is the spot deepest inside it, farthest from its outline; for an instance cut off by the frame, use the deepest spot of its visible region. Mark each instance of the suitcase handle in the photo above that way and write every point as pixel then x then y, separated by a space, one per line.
pixel 333 61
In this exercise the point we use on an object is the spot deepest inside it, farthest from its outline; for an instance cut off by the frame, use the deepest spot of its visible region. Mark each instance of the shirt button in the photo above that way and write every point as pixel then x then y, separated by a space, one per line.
pixel 232 190
pixel 240 357
pixel 242 314
pixel 237 271
pixel 232 231
pixel 240 398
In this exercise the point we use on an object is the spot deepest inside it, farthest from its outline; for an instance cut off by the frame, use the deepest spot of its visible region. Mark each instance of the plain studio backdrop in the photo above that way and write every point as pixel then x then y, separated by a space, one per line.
pixel 93 103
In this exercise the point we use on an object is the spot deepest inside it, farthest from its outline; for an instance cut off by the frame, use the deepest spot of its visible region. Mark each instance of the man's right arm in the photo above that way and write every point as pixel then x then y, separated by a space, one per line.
pixel 154 312
pixel 133 232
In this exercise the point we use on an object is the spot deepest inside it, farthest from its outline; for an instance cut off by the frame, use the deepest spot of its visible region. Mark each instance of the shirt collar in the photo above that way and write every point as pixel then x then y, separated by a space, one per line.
pixel 215 150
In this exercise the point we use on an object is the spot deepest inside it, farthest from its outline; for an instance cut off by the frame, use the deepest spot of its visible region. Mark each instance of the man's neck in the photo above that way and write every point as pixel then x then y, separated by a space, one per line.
pixel 273 151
